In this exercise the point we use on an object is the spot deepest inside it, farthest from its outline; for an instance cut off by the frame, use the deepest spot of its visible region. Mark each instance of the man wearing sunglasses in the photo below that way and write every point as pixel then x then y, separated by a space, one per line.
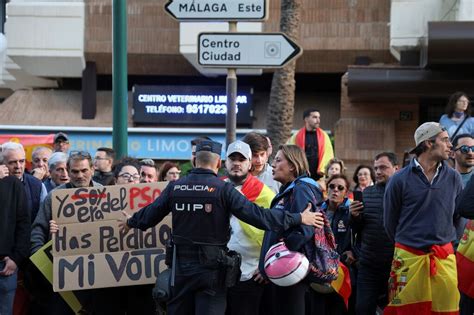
pixel 463 154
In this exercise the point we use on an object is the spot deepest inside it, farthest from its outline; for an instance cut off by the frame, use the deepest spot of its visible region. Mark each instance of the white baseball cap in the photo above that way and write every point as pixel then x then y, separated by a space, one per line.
pixel 426 131
pixel 240 147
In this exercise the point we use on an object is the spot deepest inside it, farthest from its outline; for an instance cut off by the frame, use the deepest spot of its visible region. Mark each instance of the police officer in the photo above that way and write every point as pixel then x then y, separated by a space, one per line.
pixel 201 205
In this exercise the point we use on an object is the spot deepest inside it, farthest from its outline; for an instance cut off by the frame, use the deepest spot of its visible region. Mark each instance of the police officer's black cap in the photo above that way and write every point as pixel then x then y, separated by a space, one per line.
pixel 210 146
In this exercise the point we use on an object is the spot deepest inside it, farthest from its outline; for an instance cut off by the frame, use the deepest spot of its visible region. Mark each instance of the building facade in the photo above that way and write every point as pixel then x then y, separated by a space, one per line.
pixel 58 58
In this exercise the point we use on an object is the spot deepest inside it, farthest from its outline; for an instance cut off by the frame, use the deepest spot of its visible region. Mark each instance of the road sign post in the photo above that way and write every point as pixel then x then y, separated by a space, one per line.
pixel 234 50
pixel 231 90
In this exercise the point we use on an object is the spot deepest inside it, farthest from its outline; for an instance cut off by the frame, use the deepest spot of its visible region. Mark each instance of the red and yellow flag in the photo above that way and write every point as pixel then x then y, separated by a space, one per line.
pixel 465 260
pixel 342 285
pixel 260 194
pixel 423 283
pixel 325 150
pixel 29 142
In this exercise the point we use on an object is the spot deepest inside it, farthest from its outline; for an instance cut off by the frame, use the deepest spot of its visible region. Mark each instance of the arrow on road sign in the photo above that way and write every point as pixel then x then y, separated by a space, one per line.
pixel 246 50
pixel 218 10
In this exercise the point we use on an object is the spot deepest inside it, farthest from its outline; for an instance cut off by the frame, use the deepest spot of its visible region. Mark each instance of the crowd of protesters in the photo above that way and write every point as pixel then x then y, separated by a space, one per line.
pixel 397 227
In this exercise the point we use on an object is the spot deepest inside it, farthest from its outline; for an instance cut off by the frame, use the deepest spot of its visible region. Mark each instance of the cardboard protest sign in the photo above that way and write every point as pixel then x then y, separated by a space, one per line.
pixel 90 252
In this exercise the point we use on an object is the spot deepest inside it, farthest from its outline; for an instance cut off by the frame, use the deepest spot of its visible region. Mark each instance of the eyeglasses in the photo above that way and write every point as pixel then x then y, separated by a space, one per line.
pixel 174 173
pixel 100 158
pixel 128 176
pixel 339 187
pixel 83 154
pixel 465 149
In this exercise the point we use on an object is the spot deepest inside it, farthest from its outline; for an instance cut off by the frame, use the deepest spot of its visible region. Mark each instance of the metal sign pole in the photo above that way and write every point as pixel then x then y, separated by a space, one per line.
pixel 119 78
pixel 231 88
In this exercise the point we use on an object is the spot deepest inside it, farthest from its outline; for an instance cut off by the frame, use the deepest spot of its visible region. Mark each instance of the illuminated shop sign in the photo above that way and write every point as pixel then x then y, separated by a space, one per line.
pixel 190 105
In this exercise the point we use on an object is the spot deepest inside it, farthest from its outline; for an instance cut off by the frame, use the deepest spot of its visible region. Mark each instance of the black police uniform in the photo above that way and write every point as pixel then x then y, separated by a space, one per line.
pixel 201 205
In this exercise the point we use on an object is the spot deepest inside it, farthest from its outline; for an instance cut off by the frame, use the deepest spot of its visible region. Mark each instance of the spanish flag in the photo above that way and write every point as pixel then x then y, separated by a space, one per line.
pixel 465 261
pixel 423 283
pixel 342 285
pixel 325 149
pixel 260 194
pixel 30 143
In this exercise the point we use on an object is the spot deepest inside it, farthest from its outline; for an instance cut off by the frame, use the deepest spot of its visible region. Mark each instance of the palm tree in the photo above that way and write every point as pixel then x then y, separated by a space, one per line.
pixel 282 95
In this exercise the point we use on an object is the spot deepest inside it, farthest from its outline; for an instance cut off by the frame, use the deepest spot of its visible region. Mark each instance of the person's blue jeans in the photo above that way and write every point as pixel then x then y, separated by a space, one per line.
pixel 7 291
pixel 372 283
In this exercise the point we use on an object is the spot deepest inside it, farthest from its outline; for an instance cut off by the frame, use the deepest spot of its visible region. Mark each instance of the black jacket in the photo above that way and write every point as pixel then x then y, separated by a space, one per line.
pixel 104 178
pixel 375 247
pixel 465 201
pixel 14 220
pixel 204 211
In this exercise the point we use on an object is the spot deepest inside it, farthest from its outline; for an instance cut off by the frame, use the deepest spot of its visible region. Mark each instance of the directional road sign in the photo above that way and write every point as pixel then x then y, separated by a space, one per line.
pixel 246 50
pixel 218 10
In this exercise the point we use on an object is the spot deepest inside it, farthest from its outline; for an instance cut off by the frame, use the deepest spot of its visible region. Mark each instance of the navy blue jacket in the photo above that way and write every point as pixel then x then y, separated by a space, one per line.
pixel 465 201
pixel 340 226
pixel 226 201
pixel 33 188
pixel 293 198
pixel 420 214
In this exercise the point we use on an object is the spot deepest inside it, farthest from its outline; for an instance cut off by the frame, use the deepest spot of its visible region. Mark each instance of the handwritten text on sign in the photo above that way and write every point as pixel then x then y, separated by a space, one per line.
pixel 89 250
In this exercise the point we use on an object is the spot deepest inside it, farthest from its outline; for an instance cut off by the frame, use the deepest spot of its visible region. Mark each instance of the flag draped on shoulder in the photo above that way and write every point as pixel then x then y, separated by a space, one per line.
pixel 465 261
pixel 423 283
pixel 260 194
pixel 325 150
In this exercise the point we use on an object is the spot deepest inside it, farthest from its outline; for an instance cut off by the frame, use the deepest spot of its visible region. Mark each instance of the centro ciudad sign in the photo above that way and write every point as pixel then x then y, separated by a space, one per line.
pixel 246 50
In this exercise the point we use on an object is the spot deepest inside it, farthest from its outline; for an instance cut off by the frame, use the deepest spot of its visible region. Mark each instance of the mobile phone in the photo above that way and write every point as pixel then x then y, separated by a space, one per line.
pixel 358 196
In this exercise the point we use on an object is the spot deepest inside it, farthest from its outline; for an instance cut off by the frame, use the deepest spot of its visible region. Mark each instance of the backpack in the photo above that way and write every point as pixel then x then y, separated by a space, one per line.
pixel 324 262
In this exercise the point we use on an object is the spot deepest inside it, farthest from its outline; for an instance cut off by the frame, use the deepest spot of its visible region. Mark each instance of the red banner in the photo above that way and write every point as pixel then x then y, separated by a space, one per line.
pixel 29 142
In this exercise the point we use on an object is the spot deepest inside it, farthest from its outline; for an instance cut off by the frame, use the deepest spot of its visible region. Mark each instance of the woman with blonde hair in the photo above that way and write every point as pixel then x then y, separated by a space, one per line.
pixel 290 167
pixel 335 166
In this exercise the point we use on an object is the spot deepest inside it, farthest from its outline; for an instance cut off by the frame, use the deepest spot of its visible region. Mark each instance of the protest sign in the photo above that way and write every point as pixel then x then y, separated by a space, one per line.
pixel 90 252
